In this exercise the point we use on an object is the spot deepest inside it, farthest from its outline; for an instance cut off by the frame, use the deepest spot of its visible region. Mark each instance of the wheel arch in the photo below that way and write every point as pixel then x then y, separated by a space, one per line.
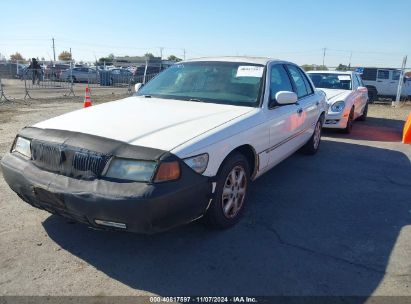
pixel 249 153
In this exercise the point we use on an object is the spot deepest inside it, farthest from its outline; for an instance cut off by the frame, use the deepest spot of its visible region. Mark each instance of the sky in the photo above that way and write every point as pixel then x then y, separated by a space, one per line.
pixel 360 32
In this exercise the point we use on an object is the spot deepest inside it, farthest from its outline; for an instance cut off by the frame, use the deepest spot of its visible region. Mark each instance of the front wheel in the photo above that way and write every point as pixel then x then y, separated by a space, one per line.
pixel 363 117
pixel 231 192
pixel 348 127
pixel 312 145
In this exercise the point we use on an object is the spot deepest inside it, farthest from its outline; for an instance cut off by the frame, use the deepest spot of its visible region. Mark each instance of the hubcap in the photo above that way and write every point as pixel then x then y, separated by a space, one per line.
pixel 317 135
pixel 234 192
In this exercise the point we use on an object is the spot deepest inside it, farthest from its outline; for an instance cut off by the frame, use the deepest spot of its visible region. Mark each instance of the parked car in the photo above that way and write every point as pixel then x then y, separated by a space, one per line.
pixel 82 74
pixel 347 97
pixel 120 76
pixel 21 70
pixel 151 71
pixel 384 83
pixel 53 71
pixel 188 144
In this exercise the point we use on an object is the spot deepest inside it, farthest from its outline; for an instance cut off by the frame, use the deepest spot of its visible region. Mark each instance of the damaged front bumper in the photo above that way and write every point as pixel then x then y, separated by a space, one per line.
pixel 101 203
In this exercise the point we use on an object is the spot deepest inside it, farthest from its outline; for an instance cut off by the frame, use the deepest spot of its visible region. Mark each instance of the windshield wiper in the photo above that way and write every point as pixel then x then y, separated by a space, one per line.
pixel 147 96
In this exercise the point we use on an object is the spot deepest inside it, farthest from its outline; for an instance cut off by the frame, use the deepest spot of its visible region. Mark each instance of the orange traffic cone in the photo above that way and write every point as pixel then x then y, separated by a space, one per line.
pixel 406 135
pixel 87 100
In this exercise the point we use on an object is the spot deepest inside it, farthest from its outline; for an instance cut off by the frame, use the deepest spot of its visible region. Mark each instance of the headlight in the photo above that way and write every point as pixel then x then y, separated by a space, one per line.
pixel 338 106
pixel 22 146
pixel 136 170
pixel 197 163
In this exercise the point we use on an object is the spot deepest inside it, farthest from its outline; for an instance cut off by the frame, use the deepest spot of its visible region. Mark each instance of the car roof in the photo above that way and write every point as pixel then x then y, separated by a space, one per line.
pixel 332 72
pixel 247 59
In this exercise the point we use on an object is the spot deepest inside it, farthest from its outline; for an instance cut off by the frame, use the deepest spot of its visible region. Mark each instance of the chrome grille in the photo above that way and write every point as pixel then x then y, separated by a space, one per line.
pixel 67 160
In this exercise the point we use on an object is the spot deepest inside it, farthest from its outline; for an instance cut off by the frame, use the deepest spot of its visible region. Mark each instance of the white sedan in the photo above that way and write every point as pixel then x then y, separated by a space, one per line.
pixel 347 97
pixel 186 145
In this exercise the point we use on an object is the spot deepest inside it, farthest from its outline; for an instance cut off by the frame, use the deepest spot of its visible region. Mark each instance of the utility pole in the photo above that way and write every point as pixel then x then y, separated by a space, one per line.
pixel 71 56
pixel 54 50
pixel 161 52
pixel 184 54
pixel 401 81
pixel 349 64
pixel 324 49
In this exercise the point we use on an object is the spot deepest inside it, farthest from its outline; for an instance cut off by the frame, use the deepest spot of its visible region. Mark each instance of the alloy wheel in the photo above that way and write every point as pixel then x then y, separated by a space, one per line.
pixel 234 191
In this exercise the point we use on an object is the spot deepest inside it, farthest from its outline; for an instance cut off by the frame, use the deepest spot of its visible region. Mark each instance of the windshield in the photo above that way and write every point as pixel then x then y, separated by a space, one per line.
pixel 216 82
pixel 331 81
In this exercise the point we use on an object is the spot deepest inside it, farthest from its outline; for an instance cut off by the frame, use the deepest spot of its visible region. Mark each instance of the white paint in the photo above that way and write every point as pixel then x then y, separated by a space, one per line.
pixel 188 128
pixel 357 97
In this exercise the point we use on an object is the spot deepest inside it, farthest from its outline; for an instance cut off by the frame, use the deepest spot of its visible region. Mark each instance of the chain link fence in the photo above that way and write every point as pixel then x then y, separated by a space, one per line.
pixel 40 79
pixel 3 97
pixel 65 77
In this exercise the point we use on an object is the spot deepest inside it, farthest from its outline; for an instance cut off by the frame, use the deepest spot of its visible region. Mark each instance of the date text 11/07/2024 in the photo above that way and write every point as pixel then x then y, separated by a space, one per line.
pixel 203 300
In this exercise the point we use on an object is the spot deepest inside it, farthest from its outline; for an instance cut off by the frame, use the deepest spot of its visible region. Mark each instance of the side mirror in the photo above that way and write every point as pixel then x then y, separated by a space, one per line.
pixel 362 89
pixel 137 86
pixel 286 98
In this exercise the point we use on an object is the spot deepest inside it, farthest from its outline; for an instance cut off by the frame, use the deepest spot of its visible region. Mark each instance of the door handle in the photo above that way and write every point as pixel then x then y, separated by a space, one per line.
pixel 317 103
pixel 300 110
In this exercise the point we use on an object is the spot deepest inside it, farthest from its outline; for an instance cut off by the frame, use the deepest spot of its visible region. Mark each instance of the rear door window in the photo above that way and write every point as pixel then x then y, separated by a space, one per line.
pixel 383 74
pixel 396 75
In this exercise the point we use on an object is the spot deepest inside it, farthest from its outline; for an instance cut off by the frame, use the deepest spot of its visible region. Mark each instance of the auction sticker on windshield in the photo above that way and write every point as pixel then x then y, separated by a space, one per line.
pixel 250 71
pixel 344 77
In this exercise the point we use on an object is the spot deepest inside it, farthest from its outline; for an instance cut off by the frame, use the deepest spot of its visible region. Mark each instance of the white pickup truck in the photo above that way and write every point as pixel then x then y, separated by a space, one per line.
pixel 382 82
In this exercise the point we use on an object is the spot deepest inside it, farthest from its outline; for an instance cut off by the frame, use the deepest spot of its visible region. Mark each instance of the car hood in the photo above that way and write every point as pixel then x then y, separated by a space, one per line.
pixel 151 122
pixel 334 95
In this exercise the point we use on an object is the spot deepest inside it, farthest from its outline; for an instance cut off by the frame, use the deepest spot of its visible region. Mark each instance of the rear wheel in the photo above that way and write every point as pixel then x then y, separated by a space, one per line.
pixel 348 128
pixel 312 145
pixel 231 192
pixel 363 117
pixel 372 94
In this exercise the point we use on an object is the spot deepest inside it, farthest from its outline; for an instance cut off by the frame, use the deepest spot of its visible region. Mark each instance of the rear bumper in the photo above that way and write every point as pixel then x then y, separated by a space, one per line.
pixel 141 207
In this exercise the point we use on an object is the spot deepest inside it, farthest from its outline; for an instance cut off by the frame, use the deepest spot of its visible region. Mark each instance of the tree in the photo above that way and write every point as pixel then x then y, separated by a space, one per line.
pixel 313 67
pixel 174 58
pixel 108 58
pixel 16 56
pixel 342 67
pixel 65 56
pixel 149 55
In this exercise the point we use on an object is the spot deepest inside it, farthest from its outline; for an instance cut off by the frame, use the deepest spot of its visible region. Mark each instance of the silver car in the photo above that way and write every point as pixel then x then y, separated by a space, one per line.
pixel 80 74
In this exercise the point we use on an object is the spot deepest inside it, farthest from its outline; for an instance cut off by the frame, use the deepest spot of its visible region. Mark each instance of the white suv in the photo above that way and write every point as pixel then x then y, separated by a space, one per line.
pixel 186 145
pixel 384 83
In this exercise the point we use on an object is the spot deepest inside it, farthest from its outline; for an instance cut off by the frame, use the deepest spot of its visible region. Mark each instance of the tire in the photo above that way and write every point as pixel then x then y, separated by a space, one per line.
pixel 232 180
pixel 372 94
pixel 313 144
pixel 364 115
pixel 348 128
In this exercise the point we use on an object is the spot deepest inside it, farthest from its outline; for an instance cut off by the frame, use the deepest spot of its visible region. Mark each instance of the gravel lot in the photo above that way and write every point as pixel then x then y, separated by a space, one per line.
pixel 337 223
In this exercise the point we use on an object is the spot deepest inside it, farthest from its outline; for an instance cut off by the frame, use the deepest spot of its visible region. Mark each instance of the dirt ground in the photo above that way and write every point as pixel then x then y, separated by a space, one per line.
pixel 337 223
